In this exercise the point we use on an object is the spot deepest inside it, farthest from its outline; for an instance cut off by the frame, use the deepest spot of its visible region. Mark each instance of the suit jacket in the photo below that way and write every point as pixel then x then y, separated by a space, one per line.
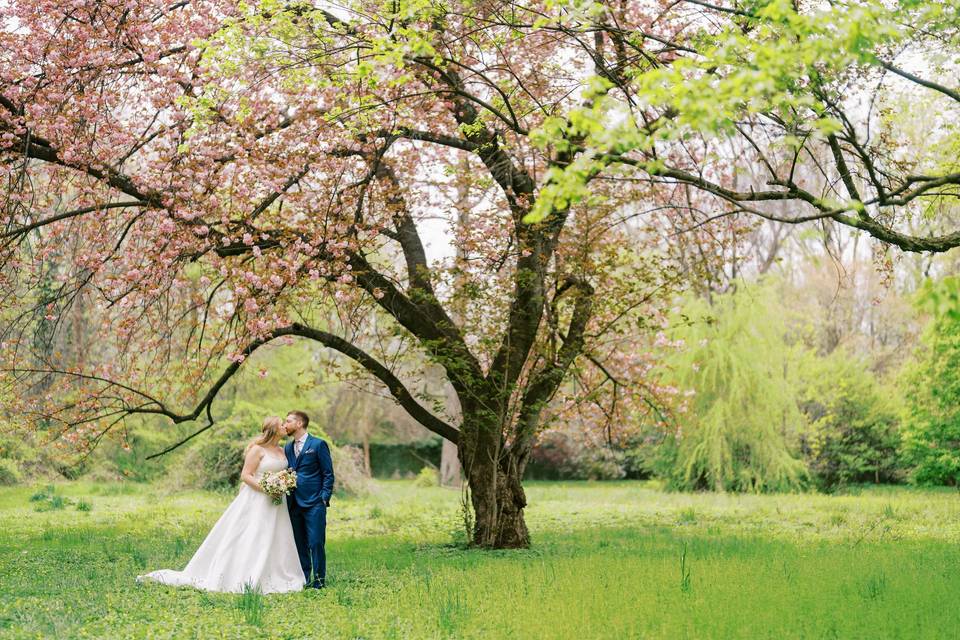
pixel 314 470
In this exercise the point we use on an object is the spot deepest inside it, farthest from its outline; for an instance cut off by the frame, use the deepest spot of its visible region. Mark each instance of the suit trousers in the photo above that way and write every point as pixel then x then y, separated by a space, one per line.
pixel 310 534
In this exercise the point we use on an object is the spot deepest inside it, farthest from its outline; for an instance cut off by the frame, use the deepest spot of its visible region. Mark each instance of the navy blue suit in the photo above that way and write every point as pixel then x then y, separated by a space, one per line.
pixel 308 506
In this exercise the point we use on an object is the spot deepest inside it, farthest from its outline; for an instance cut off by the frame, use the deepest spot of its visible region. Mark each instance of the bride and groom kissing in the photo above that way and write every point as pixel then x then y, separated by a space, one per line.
pixel 258 543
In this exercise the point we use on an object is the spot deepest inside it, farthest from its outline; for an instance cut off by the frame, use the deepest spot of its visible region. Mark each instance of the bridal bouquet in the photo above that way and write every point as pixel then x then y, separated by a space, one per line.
pixel 277 484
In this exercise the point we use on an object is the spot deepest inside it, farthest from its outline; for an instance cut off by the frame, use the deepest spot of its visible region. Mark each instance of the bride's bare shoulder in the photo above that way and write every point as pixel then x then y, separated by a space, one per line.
pixel 255 450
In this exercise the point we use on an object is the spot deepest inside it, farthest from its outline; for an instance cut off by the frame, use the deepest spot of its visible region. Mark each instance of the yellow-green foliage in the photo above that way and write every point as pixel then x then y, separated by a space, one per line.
pixel 932 426
pixel 742 422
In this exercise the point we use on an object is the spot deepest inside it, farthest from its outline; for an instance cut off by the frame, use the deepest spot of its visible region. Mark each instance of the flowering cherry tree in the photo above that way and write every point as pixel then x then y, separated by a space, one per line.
pixel 212 178
pixel 209 177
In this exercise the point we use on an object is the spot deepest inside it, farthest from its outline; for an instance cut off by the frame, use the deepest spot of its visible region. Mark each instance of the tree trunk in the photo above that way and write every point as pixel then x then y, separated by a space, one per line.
pixel 511 528
pixel 449 455
pixel 366 455
pixel 496 493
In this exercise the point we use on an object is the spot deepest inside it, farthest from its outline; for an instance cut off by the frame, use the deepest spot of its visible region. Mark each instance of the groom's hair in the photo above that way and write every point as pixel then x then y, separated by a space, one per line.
pixel 302 417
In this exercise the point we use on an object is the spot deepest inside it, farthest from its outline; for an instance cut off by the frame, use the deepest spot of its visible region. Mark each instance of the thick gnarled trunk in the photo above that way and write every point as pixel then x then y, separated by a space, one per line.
pixel 510 528
pixel 495 478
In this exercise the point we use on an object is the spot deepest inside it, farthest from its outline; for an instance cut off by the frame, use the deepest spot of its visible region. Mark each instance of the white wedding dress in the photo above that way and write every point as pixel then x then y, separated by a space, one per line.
pixel 251 544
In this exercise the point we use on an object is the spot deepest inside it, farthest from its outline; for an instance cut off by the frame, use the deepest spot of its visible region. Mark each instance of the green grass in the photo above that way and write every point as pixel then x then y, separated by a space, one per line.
pixel 610 560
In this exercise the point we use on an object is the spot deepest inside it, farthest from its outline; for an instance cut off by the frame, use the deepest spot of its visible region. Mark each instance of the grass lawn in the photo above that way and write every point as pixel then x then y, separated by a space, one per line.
pixel 609 560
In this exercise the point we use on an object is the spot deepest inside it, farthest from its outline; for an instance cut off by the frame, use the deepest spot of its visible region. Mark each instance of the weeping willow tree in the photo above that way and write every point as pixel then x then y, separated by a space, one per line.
pixel 741 421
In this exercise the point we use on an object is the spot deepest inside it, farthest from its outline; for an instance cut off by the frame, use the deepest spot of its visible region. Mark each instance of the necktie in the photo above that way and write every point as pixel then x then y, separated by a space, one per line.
pixel 296 448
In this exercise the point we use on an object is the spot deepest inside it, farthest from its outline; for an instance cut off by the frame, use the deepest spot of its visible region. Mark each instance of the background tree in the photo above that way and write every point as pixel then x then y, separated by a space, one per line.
pixel 932 424
pixel 782 102
pixel 741 426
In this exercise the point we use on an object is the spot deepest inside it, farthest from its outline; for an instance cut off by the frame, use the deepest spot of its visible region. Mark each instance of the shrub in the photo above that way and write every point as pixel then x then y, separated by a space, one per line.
pixel 214 460
pixel 601 463
pixel 552 457
pixel 428 477
pixel 113 462
pixel 854 435
pixel 643 454
pixel 9 472
pixel 215 463
pixel 562 455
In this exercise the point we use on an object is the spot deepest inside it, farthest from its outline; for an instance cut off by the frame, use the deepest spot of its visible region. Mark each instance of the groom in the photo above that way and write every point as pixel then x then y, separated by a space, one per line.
pixel 310 458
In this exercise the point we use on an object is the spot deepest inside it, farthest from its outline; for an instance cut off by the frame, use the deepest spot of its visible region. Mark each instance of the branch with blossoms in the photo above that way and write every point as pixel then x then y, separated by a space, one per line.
pixel 286 162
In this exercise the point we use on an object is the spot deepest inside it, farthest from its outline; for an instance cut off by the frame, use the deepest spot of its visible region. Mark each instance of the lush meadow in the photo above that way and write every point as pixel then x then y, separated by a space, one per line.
pixel 610 560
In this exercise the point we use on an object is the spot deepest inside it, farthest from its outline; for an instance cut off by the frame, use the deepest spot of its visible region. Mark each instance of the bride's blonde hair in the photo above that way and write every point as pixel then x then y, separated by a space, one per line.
pixel 271 432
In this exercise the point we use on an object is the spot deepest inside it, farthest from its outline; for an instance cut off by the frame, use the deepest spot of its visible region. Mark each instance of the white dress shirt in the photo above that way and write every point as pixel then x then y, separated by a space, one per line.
pixel 298 444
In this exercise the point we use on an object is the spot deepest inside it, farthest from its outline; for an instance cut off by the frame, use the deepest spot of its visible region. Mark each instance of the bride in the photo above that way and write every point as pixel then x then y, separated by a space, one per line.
pixel 252 543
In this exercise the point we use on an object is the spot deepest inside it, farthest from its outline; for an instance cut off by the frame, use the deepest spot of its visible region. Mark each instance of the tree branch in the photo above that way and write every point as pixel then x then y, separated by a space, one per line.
pixel 19 231
pixel 545 383
pixel 429 136
pixel 929 84
pixel 396 388
pixel 400 393
pixel 934 244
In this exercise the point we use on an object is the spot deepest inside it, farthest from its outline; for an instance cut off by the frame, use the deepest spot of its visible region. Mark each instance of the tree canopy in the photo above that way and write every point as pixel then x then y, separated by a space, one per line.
pixel 209 177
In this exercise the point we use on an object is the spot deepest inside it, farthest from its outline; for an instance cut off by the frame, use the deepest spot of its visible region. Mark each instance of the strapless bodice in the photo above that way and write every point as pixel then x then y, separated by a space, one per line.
pixel 271 462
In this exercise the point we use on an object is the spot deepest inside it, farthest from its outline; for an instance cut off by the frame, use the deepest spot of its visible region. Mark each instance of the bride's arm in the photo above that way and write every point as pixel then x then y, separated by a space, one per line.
pixel 250 464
